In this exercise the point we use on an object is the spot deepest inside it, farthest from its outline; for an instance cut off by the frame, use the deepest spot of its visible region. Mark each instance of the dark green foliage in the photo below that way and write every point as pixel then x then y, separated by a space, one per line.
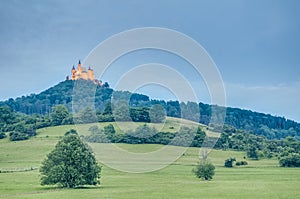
pixel 18 136
pixel 259 124
pixel 2 135
pixel 241 163
pixel 199 138
pixel 142 135
pixel 229 162
pixel 252 153
pixel 184 137
pixel 70 164
pixel 7 116
pixel 157 114
pixel 110 132
pixel 147 135
pixel 271 127
pixel 71 132
pixel 121 112
pixel 190 111
pixel 59 113
pixel 140 114
pixel 107 109
pixel 204 170
pixel 105 118
pixel 145 131
pixel 109 129
pixel 138 100
pixel 61 93
pixel 88 115
pixel 22 131
pixel 291 160
pixel 173 109
pixel 68 120
pixel 97 135
pixel 105 85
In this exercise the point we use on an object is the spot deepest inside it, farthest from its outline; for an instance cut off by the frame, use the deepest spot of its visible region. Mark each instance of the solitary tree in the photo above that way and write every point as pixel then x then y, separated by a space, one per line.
pixel 70 164
pixel 205 170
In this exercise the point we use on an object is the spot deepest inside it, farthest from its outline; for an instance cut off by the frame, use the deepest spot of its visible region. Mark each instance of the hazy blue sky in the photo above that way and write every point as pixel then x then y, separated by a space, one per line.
pixel 255 44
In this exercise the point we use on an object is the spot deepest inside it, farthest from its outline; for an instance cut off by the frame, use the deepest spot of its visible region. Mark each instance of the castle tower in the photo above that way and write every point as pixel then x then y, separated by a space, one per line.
pixel 91 74
pixel 79 69
pixel 73 72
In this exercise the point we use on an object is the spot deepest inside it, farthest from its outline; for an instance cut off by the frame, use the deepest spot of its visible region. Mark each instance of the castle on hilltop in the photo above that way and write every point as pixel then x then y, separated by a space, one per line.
pixel 82 73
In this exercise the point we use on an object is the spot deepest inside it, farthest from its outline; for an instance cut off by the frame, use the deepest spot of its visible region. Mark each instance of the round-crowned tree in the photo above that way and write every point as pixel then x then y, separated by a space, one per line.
pixel 205 170
pixel 70 164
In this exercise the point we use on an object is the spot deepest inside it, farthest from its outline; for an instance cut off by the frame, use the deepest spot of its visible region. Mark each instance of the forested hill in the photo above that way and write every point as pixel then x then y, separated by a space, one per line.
pixel 271 127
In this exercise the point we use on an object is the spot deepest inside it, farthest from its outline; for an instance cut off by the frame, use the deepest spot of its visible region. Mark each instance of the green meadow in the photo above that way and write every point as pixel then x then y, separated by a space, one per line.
pixel 19 177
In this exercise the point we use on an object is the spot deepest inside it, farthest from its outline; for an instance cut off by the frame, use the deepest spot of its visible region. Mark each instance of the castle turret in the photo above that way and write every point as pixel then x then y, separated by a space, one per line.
pixel 79 69
pixel 91 74
pixel 73 72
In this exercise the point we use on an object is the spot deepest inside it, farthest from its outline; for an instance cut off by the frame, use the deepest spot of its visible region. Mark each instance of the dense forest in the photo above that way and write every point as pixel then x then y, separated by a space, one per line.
pixel 80 97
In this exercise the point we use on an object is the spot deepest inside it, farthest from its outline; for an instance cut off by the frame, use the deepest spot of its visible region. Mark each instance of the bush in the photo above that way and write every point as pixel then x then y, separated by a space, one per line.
pixel 241 163
pixel 291 160
pixel 17 136
pixel 97 135
pixel 105 118
pixel 229 162
pixel 252 153
pixel 71 132
pixel 2 135
pixel 205 170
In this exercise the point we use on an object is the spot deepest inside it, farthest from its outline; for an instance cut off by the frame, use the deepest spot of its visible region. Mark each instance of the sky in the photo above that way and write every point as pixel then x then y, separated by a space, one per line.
pixel 254 44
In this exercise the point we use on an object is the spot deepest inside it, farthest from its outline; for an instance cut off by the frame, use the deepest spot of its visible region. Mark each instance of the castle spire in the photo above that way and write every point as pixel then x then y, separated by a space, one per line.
pixel 73 68
pixel 79 67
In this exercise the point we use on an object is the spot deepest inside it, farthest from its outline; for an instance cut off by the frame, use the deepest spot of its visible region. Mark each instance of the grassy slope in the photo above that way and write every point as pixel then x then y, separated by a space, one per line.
pixel 260 179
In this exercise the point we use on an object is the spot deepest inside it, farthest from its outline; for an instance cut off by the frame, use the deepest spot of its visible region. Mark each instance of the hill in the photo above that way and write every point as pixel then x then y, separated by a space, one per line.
pixel 271 127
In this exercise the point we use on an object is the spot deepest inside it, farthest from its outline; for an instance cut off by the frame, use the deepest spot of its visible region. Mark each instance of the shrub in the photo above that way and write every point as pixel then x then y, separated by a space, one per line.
pixel 241 163
pixel 204 170
pixel 2 135
pixel 229 162
pixel 17 136
pixel 71 132
pixel 291 160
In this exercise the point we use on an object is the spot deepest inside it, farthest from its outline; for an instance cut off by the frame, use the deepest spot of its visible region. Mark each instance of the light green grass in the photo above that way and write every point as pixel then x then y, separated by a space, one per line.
pixel 260 179
pixel 171 125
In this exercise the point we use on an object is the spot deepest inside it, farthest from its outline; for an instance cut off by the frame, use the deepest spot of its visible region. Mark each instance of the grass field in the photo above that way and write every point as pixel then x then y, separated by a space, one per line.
pixel 260 179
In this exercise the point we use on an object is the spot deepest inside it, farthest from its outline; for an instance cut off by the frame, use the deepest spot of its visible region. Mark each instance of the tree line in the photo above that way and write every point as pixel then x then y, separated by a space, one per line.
pixel 271 127
pixel 255 147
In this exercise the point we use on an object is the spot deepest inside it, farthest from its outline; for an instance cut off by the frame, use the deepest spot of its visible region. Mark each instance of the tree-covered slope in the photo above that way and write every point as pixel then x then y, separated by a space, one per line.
pixel 272 127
